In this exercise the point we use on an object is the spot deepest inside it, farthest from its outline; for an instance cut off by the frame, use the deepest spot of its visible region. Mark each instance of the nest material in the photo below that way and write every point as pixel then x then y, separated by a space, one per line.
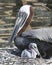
pixel 6 58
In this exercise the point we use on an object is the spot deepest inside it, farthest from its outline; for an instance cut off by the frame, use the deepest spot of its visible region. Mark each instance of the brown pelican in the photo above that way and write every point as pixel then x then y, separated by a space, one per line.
pixel 24 17
pixel 44 35
pixel 32 52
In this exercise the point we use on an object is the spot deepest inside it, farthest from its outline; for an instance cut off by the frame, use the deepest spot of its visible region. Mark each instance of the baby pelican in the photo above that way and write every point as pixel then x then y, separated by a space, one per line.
pixel 32 52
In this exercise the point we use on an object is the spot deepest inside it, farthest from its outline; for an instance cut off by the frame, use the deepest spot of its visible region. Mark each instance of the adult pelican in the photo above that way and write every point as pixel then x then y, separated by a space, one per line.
pixel 42 36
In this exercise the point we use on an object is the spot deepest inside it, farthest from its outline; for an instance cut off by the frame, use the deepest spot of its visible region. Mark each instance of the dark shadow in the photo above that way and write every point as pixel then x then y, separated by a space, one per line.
pixel 49 4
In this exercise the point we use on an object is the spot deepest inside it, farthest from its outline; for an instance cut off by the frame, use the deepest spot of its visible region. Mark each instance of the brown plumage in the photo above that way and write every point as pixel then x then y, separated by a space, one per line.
pixel 27 22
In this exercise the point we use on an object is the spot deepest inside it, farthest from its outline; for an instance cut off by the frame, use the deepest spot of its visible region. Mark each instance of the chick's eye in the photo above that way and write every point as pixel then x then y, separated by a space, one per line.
pixel 34 46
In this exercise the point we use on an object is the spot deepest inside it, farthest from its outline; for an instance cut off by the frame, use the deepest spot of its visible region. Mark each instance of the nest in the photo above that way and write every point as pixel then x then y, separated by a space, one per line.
pixel 6 58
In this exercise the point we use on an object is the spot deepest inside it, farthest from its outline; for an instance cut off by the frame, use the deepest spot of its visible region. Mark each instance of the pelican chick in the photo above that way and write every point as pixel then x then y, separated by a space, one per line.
pixel 32 52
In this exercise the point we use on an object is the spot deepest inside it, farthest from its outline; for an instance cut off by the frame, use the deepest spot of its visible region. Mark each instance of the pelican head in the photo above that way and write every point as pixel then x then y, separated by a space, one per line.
pixel 24 17
pixel 34 47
